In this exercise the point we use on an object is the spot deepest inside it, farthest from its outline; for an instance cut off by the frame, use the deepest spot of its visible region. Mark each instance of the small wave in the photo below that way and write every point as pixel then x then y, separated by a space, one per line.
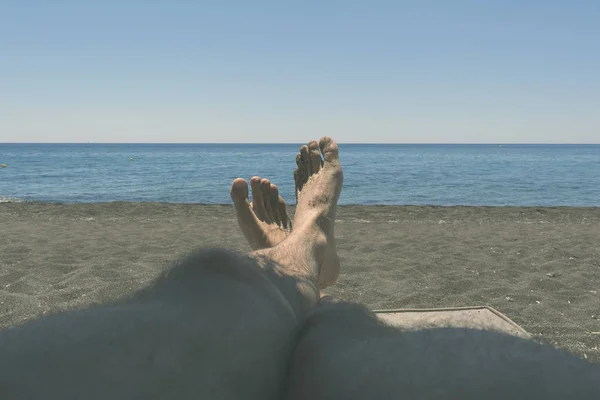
pixel 11 200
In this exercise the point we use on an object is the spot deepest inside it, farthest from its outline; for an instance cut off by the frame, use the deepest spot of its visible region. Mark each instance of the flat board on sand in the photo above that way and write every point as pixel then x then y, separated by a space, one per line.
pixel 458 317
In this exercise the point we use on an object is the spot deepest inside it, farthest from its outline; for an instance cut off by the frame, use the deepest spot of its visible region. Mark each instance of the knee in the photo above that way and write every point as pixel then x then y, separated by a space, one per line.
pixel 216 277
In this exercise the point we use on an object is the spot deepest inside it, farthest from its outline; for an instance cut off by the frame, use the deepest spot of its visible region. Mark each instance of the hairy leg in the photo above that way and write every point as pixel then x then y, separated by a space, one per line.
pixel 345 352
pixel 216 325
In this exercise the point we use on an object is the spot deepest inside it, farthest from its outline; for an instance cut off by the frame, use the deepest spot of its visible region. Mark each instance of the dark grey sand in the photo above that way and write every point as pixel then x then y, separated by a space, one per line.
pixel 539 266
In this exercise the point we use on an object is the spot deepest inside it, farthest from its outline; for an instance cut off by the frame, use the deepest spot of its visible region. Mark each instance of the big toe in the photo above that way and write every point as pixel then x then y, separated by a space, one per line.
pixel 239 191
pixel 245 214
pixel 243 210
pixel 330 150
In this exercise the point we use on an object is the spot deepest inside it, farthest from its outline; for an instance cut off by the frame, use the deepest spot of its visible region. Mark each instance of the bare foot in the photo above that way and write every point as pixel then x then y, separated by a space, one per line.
pixel 264 222
pixel 319 183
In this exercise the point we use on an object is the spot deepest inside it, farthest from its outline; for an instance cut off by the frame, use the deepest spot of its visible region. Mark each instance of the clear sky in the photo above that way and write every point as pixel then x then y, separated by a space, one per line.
pixel 445 71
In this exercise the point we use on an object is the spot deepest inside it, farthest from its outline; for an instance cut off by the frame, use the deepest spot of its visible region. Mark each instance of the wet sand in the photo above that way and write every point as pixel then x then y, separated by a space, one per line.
pixel 539 266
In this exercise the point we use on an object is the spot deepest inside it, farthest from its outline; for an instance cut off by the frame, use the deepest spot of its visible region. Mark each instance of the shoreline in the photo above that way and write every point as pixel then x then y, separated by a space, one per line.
pixel 9 200
pixel 540 266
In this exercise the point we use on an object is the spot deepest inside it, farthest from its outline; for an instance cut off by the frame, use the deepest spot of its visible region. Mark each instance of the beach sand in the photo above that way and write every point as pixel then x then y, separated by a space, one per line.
pixel 539 266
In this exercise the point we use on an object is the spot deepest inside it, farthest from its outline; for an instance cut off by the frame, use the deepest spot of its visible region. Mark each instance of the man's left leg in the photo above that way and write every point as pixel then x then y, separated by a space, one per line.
pixel 217 325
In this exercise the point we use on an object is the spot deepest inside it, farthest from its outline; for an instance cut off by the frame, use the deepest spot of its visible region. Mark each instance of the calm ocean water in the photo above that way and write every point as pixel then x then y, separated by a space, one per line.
pixel 516 175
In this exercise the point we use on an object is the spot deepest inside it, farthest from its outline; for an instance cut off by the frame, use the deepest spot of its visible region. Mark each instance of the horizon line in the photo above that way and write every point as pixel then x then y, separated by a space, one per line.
pixel 340 143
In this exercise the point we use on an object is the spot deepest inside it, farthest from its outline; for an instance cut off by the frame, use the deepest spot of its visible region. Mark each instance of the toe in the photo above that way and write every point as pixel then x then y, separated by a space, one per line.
pixel 285 221
pixel 314 157
pixel 297 182
pixel 274 204
pixel 329 149
pixel 246 217
pixel 301 173
pixel 305 158
pixel 258 203
pixel 265 186
pixel 239 191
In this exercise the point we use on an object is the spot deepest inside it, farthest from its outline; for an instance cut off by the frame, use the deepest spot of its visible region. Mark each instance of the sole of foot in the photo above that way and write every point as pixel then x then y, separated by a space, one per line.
pixel 319 179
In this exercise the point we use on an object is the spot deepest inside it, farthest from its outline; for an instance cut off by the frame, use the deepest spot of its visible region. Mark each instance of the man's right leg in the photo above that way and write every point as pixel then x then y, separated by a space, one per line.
pixel 345 352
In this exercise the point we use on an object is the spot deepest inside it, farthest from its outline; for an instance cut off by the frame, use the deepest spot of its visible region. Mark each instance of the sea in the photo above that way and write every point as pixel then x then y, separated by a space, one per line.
pixel 393 174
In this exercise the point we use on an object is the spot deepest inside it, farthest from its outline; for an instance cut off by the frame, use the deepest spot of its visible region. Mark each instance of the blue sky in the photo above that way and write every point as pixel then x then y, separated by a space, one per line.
pixel 276 71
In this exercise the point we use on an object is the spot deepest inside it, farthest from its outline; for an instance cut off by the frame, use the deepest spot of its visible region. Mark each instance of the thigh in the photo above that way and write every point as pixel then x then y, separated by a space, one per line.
pixel 344 352
pixel 211 327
